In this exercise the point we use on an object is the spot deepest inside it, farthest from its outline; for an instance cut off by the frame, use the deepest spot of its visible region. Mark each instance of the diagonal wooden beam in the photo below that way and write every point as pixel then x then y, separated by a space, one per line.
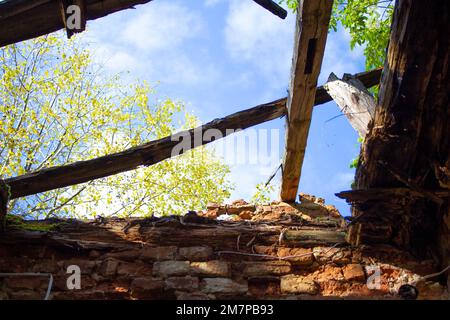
pixel 313 18
pixel 272 7
pixel 153 151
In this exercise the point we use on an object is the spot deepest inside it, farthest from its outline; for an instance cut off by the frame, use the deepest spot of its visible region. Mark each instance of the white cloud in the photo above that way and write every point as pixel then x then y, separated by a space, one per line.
pixel 153 43
pixel 255 36
pixel 163 26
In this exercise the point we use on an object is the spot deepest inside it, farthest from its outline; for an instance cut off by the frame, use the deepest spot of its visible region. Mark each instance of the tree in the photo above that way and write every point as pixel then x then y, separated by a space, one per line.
pixel 57 108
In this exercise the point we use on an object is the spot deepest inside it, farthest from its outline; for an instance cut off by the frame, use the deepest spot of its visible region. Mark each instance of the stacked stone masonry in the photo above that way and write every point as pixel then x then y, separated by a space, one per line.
pixel 278 251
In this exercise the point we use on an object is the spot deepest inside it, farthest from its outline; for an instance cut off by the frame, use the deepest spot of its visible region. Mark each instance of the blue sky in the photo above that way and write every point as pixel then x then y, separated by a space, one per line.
pixel 223 56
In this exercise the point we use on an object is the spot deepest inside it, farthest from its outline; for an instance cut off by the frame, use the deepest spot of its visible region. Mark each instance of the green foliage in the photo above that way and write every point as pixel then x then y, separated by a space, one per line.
pixel 367 21
pixel 354 163
pixel 262 193
pixel 291 4
pixel 16 222
pixel 56 107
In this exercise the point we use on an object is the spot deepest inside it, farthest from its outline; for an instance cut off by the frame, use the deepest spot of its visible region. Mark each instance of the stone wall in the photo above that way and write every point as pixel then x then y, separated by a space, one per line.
pixel 278 251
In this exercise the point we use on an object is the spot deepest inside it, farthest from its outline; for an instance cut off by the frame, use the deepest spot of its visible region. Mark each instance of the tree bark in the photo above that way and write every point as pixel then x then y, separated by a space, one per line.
pixel 408 144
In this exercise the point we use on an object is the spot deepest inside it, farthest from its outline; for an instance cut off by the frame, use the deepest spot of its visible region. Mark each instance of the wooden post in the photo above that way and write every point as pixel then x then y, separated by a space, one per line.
pixel 408 144
pixel 310 37
pixel 354 101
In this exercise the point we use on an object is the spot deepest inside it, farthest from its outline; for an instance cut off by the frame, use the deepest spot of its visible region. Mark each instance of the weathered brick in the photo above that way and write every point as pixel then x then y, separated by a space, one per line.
pixel 149 284
pixel 31 283
pixel 109 267
pixel 86 266
pixel 159 253
pixel 223 285
pixel 254 269
pixel 134 269
pixel 126 255
pixel 336 255
pixel 193 296
pixel 269 250
pixel 171 268
pixel 198 253
pixel 241 208
pixel 182 283
pixel 354 272
pixel 46 266
pixel 264 286
pixel 297 285
pixel 27 295
pixel 213 268
pixel 246 214
pixel 327 273
pixel 298 256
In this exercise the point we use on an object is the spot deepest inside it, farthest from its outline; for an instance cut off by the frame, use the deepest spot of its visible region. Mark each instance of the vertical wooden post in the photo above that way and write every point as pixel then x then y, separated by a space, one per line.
pixel 408 144
pixel 313 18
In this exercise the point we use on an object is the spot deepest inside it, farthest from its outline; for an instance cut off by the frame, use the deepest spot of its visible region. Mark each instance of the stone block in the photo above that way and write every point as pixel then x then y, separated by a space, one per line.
pixel 298 285
pixel 159 253
pixel 213 268
pixel 223 285
pixel 266 268
pixel 297 256
pixel 354 272
pixel 171 268
pixel 198 253
pixel 182 283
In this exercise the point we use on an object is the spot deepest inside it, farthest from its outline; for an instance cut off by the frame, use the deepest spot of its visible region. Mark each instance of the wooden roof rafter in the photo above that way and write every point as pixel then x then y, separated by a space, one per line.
pixel 26 19
pixel 313 18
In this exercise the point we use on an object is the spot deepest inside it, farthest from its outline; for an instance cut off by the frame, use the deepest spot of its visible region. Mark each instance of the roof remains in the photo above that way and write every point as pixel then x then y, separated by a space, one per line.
pixel 26 19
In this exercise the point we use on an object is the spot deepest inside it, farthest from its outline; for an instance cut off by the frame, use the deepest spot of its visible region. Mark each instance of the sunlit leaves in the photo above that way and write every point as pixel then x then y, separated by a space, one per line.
pixel 367 21
pixel 57 107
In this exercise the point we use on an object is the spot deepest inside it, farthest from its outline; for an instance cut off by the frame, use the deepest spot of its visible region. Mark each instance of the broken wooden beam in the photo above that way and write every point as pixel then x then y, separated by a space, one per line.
pixel 26 19
pixel 84 171
pixel 272 7
pixel 354 101
pixel 313 19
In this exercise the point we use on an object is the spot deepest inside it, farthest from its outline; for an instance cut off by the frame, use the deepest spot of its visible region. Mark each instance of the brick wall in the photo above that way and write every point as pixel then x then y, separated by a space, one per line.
pixel 277 251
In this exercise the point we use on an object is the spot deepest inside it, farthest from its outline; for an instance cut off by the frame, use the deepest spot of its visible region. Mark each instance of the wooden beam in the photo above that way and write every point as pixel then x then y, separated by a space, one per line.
pixel 272 7
pixel 153 151
pixel 26 19
pixel 354 101
pixel 310 38
pixel 146 154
